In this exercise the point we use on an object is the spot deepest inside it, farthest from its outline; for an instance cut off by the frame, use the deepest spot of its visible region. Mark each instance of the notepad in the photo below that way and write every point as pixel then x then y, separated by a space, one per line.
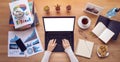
pixel 84 48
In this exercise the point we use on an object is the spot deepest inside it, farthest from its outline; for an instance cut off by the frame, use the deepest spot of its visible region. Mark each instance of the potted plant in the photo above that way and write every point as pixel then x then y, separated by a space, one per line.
pixel 68 8
pixel 47 9
pixel 57 8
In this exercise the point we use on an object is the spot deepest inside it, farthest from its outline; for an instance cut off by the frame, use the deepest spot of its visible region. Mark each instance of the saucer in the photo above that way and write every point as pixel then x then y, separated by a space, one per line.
pixel 107 54
pixel 99 55
pixel 81 25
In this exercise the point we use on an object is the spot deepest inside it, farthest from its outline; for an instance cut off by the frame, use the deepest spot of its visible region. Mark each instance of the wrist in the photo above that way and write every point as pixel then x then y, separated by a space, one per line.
pixel 68 49
pixel 48 52
pixel 65 47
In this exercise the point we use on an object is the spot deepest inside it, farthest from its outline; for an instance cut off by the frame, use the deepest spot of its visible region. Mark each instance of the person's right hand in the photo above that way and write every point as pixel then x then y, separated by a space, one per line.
pixel 65 43
pixel 51 45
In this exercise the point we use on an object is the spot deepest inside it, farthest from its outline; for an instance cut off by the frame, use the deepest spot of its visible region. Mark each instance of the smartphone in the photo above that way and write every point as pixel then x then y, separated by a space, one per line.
pixel 21 45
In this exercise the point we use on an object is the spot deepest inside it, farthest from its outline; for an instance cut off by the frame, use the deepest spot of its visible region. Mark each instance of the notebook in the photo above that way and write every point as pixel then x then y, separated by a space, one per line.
pixel 113 25
pixel 102 32
pixel 84 48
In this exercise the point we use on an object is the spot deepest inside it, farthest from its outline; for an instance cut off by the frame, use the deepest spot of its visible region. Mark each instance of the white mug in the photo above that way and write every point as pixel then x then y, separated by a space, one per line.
pixel 84 22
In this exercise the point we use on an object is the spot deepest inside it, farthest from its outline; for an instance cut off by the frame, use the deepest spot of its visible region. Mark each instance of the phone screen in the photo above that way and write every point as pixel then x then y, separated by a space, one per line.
pixel 21 45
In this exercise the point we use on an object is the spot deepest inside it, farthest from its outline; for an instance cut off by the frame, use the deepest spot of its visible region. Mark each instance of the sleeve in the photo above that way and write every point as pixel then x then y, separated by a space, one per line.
pixel 71 55
pixel 46 56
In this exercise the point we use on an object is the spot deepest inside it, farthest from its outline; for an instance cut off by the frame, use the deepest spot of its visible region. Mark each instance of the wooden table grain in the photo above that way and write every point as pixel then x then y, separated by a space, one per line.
pixel 77 10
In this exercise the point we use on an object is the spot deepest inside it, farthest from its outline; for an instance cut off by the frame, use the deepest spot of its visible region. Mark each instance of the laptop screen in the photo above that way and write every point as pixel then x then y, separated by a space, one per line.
pixel 59 23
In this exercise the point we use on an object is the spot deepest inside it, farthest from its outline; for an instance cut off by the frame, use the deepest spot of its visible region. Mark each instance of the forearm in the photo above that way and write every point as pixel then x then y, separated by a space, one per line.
pixel 71 55
pixel 46 56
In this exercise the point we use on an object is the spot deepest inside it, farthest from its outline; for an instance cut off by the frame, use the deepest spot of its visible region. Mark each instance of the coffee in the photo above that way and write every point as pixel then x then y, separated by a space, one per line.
pixel 84 20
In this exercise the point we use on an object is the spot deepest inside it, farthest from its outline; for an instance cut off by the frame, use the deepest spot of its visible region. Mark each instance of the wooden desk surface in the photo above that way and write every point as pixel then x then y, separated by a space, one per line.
pixel 77 10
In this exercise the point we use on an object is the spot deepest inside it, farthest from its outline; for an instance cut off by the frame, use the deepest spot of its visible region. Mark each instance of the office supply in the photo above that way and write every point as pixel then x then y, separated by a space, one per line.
pixel 113 25
pixel 13 49
pixel 103 32
pixel 35 23
pixel 29 38
pixel 84 48
pixel 20 12
pixel 93 9
pixel 59 27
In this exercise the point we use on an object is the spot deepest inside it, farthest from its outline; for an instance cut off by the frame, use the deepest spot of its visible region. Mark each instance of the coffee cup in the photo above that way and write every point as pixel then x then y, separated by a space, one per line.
pixel 84 22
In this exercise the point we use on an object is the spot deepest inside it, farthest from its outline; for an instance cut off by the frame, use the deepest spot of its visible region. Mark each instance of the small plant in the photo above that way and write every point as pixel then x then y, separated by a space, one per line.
pixel 57 8
pixel 68 8
pixel 47 9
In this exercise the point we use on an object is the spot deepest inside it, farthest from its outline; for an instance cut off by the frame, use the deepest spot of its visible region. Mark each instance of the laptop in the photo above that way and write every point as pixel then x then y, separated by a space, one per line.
pixel 59 27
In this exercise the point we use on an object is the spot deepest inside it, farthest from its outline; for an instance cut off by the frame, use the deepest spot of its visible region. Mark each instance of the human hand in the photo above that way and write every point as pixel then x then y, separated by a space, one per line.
pixel 51 45
pixel 65 43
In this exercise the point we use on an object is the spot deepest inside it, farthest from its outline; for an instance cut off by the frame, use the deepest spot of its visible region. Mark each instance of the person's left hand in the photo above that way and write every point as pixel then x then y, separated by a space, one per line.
pixel 51 45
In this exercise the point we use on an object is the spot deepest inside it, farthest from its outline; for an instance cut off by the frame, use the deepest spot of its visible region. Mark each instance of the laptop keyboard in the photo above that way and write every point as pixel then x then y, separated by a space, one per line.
pixel 59 36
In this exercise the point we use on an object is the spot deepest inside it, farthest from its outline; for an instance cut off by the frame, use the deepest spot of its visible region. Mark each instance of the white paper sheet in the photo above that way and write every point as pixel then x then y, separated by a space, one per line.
pixel 31 40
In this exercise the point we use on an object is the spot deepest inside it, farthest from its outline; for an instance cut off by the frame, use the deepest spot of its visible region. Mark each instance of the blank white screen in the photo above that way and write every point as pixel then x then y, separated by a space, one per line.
pixel 59 24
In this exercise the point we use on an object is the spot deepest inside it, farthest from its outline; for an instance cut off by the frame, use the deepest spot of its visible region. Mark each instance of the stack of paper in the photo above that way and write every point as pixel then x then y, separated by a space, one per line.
pixel 21 14
pixel 84 48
